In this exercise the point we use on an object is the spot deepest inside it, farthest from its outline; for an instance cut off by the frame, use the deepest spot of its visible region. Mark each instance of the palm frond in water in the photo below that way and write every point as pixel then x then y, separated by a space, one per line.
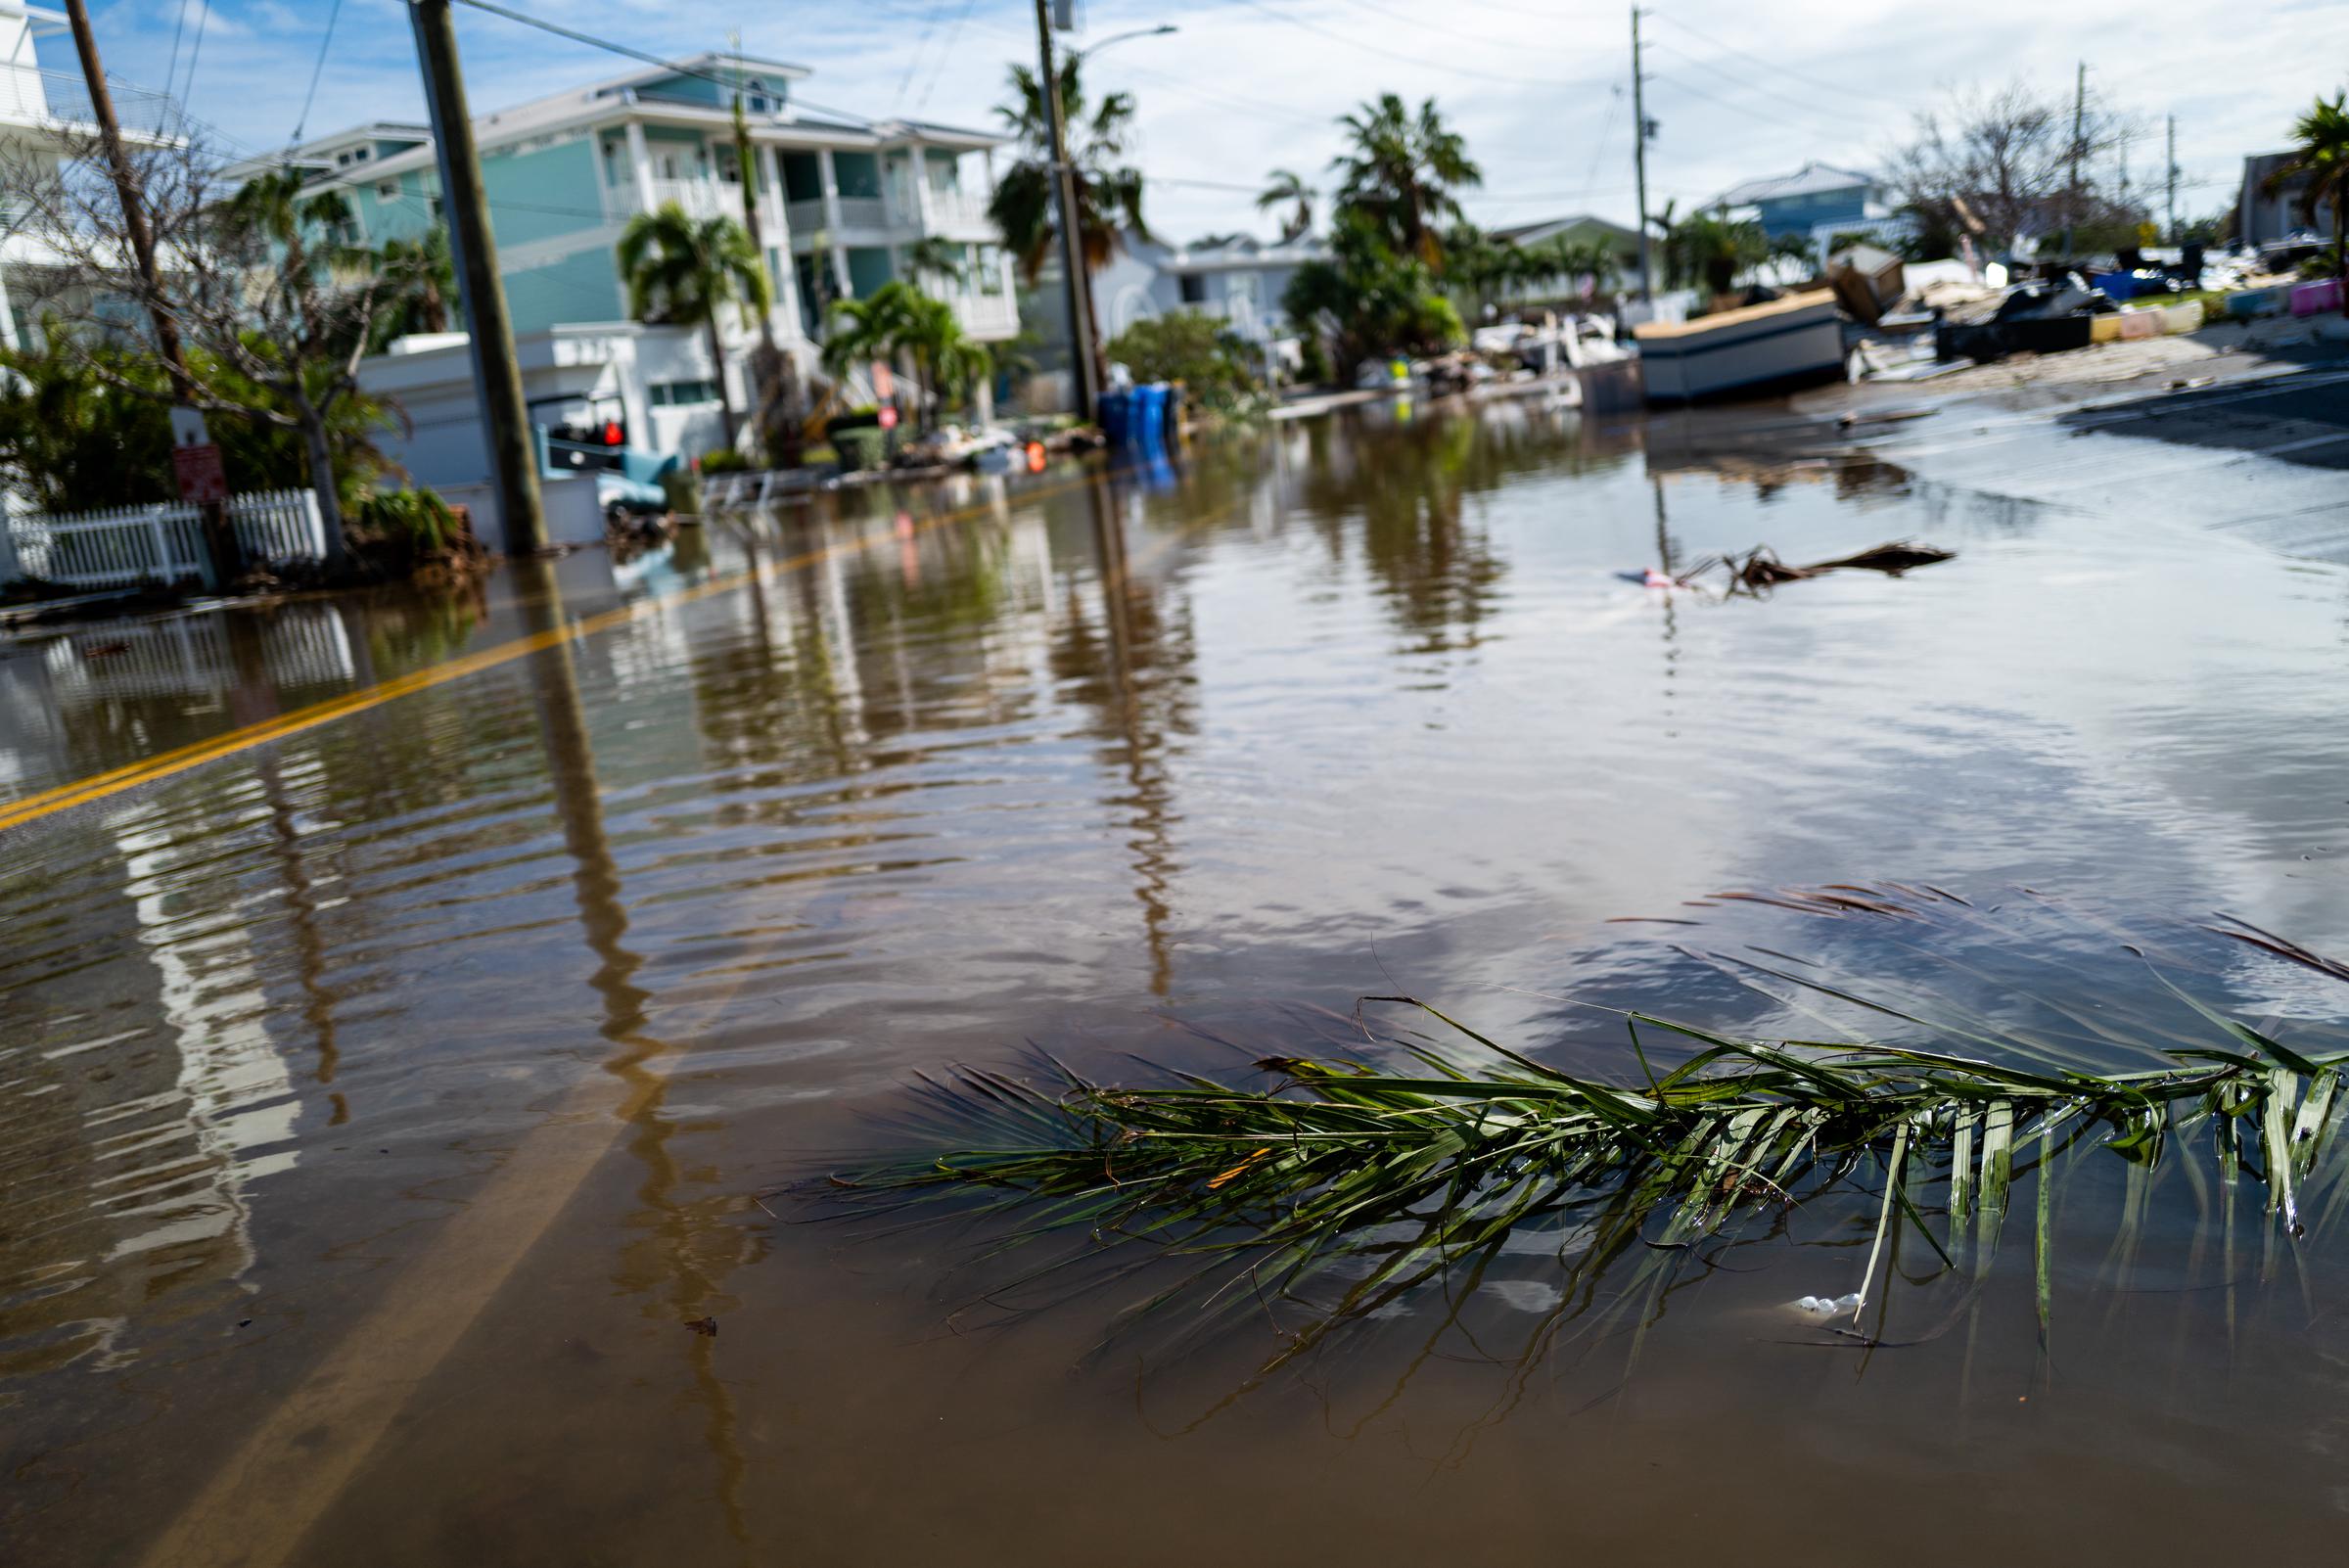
pixel 1398 1175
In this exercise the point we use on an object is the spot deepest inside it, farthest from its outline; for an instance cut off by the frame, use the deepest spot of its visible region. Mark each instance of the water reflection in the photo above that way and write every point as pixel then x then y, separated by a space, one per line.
pixel 404 1079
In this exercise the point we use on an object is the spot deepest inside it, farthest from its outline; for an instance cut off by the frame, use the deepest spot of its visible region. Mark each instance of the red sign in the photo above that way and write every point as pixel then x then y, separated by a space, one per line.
pixel 201 479
pixel 889 416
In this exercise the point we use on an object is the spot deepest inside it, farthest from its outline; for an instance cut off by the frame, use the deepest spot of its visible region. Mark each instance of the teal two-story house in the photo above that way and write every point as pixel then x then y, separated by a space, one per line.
pixel 841 202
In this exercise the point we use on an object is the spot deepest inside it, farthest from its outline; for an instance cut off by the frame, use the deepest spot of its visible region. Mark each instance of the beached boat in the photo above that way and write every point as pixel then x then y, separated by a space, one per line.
pixel 1796 338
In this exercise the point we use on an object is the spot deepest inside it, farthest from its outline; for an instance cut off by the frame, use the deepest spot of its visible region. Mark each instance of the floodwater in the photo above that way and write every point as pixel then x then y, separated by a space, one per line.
pixel 380 1104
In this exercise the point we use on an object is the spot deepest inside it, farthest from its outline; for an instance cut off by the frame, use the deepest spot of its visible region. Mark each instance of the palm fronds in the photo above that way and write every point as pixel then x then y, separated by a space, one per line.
pixel 1374 1178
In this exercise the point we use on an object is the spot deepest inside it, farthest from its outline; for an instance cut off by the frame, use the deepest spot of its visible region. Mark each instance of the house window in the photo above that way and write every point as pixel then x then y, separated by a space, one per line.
pixel 683 394
pixel 989 270
pixel 1194 289
pixel 386 189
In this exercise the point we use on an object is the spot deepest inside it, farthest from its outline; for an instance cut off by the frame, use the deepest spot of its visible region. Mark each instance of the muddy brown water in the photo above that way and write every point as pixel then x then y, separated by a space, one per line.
pixel 378 1106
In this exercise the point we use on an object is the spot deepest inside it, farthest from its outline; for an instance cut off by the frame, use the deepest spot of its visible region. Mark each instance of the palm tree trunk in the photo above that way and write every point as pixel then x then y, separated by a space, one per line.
pixel 726 398
pixel 2341 242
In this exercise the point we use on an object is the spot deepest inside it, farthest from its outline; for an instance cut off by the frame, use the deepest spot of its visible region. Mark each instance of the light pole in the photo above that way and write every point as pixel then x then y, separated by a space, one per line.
pixel 1082 355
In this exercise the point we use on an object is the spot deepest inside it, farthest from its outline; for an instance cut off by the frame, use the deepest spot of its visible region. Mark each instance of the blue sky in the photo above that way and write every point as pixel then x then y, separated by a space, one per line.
pixel 1248 86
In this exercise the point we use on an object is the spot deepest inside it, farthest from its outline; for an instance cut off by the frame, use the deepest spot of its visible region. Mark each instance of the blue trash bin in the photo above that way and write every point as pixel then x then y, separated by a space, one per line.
pixel 1116 417
pixel 1149 416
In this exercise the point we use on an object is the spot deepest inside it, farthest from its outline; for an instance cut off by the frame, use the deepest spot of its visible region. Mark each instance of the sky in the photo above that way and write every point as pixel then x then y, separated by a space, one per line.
pixel 1541 88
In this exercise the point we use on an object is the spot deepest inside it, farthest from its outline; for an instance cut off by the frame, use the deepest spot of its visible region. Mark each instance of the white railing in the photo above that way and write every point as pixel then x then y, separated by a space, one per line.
pixel 162 544
pixel 988 315
pixel 701 198
pixel 864 212
pixel 804 217
pixel 953 209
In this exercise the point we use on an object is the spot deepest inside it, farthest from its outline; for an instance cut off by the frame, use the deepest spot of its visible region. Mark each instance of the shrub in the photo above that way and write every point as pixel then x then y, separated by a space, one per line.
pixel 726 460
pixel 1212 363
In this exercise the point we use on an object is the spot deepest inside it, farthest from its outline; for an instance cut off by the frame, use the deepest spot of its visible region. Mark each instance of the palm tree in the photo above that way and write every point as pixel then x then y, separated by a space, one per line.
pixel 1406 171
pixel 424 273
pixel 1285 188
pixel 1711 248
pixel 2320 152
pixel 1109 192
pixel 934 255
pixel 685 271
pixel 899 319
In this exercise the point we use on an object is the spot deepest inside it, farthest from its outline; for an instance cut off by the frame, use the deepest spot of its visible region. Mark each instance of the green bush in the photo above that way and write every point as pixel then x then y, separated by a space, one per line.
pixel 861 448
pixel 726 460
pixel 1213 363
pixel 417 522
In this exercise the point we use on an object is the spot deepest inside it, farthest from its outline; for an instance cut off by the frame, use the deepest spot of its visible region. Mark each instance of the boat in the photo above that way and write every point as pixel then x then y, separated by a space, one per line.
pixel 1791 339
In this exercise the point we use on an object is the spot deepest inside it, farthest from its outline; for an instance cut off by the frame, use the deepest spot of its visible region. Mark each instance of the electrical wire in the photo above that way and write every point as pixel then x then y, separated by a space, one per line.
pixel 1420 61
pixel 1806 110
pixel 187 89
pixel 945 53
pixel 1839 89
pixel 325 42
pixel 178 30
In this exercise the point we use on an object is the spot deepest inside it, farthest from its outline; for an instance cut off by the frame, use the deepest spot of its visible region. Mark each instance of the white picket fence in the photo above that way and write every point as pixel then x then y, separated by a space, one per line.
pixel 162 544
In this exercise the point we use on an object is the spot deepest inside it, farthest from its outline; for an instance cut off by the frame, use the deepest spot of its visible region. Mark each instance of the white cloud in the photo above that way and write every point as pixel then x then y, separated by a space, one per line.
pixel 1248 86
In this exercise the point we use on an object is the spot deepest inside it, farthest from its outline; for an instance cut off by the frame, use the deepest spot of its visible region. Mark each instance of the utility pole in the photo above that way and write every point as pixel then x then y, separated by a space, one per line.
pixel 1088 372
pixel 126 190
pixel 2071 205
pixel 187 422
pixel 490 336
pixel 1639 135
pixel 2170 171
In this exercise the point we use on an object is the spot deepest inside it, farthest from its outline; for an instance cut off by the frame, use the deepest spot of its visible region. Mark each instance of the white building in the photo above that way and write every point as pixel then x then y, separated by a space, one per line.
pixel 842 204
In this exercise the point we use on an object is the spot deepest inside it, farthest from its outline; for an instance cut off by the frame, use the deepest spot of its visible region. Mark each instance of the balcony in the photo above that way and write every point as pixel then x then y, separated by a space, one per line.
pixel 987 315
pixel 953 213
pixel 701 198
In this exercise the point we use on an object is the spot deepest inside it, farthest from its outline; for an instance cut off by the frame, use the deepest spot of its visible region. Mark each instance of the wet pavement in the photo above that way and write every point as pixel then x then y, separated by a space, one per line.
pixel 393 1072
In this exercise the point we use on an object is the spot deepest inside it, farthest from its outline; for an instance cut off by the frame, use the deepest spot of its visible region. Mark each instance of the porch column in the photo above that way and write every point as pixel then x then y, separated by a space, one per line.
pixel 917 181
pixel 840 251
pixel 640 162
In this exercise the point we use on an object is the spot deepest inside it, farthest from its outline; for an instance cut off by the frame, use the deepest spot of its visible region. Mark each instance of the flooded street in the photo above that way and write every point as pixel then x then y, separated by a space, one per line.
pixel 418 1013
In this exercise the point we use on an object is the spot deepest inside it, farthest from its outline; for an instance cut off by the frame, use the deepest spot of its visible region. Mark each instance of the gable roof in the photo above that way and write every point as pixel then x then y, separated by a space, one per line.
pixel 1551 228
pixel 1809 180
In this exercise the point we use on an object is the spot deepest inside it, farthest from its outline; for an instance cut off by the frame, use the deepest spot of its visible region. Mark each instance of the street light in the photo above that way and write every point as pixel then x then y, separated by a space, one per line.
pixel 1080 283
pixel 1120 37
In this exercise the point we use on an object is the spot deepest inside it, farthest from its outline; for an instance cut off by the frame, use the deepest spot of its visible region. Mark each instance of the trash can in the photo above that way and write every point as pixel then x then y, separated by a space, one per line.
pixel 1116 417
pixel 1149 414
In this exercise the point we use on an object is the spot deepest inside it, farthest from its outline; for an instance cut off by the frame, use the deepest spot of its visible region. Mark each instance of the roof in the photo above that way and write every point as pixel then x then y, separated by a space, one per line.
pixel 1547 228
pixel 1809 180
pixel 1235 253
pixel 618 97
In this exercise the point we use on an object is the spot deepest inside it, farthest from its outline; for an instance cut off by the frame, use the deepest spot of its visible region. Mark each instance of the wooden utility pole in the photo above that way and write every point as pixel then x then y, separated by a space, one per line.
pixel 490 334
pixel 187 423
pixel 2170 174
pixel 1087 380
pixel 134 211
pixel 2071 205
pixel 1647 288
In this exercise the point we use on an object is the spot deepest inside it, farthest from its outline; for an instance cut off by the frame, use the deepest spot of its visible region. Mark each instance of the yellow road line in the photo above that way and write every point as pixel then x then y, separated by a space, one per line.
pixel 170 763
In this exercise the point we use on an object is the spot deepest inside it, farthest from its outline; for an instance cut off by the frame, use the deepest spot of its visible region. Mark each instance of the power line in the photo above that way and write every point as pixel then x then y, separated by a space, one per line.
pixel 1805 108
pixel 1808 128
pixel 1840 89
pixel 325 42
pixel 187 88
pixel 178 28
pixel 946 52
pixel 1390 54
